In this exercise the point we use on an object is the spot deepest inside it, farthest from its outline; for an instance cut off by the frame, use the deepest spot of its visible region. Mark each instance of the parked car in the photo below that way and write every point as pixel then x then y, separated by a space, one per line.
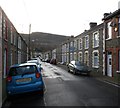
pixel 46 60
pixel 53 61
pixel 23 78
pixel 78 67
pixel 35 61
pixel 37 58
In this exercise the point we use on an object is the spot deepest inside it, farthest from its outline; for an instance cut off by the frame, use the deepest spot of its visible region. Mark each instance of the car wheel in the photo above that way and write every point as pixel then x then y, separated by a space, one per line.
pixel 68 70
pixel 74 71
pixel 88 74
pixel 41 93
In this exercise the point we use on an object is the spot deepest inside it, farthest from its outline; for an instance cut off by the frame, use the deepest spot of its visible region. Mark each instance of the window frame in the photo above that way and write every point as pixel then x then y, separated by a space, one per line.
pixel 86 58
pixel 93 59
pixel 97 40
pixel 109 29
pixel 80 44
pixel 80 56
pixel 86 41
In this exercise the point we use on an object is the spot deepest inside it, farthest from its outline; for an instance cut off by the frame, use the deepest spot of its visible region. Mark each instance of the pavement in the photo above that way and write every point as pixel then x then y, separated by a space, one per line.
pixel 100 77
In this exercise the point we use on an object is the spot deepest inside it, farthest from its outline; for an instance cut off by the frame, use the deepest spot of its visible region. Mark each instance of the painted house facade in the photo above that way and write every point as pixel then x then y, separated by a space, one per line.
pixel 86 47
pixel 67 50
pixel 112 43
pixel 89 47
pixel 13 50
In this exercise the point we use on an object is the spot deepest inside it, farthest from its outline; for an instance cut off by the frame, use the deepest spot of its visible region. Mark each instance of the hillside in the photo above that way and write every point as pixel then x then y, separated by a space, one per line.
pixel 44 41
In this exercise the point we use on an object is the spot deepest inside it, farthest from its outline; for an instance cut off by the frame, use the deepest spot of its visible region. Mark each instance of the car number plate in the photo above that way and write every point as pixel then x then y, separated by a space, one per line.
pixel 23 80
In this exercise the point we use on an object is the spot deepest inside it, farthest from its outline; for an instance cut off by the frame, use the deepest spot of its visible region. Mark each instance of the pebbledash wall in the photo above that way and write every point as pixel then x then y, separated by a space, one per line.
pixel 13 50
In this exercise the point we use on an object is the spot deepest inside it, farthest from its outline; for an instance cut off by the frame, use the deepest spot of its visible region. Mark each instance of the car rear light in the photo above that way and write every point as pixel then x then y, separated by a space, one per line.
pixel 9 78
pixel 37 75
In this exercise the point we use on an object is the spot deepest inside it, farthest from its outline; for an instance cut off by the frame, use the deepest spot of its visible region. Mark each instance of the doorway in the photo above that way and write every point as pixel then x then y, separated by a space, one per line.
pixel 109 64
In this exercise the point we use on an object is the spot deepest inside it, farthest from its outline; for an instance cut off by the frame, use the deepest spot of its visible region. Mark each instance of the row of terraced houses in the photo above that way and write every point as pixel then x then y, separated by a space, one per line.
pixel 13 49
pixel 98 47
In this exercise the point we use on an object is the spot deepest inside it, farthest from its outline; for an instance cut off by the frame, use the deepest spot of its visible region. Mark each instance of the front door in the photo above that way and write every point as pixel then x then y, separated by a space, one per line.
pixel 109 64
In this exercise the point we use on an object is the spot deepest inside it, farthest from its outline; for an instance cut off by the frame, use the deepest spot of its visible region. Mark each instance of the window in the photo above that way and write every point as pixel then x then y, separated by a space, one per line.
pixel 71 46
pixel 14 38
pixel 67 47
pixel 63 48
pixel 95 39
pixel 75 56
pixel 4 28
pixel 63 57
pixel 109 31
pixel 80 56
pixel 5 63
pixel 119 27
pixel 71 56
pixel 75 44
pixel 11 35
pixel 80 44
pixel 86 58
pixel 19 43
pixel 19 57
pixel 67 57
pixel 11 56
pixel 86 42
pixel 95 59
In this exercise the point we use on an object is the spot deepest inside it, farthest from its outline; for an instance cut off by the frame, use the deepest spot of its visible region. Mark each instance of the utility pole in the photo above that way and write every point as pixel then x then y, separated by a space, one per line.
pixel 29 41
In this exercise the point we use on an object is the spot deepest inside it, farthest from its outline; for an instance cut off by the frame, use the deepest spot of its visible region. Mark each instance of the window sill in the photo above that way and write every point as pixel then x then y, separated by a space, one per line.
pixel 95 66
pixel 118 36
pixel 108 39
pixel 95 46
pixel 86 48
pixel 118 72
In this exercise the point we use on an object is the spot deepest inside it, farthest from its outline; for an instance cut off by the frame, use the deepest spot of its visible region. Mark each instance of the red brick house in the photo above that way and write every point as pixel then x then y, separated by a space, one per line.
pixel 111 46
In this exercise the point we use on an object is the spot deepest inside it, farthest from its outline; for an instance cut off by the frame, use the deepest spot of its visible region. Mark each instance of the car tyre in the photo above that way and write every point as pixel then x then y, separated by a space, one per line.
pixel 74 71
pixel 41 93
pixel 88 74
pixel 68 69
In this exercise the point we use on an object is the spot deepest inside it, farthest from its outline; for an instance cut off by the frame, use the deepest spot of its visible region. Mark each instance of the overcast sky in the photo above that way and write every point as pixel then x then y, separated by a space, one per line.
pixel 64 17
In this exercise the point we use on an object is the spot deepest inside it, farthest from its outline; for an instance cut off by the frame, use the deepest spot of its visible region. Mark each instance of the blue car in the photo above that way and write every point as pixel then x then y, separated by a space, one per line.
pixel 23 78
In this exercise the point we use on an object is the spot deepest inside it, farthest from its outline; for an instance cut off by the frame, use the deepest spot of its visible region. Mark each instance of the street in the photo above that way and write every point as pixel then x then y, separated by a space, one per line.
pixel 65 89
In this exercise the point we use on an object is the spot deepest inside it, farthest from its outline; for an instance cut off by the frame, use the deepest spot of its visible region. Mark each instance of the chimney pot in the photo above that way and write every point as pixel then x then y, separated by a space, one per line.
pixel 92 24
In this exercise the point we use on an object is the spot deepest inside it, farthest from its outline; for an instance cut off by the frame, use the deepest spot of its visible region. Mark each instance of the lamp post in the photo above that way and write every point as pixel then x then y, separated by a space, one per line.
pixel 29 41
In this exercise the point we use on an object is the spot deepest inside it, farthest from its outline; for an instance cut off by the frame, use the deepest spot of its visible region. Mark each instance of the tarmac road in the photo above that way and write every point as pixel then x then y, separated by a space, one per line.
pixel 65 89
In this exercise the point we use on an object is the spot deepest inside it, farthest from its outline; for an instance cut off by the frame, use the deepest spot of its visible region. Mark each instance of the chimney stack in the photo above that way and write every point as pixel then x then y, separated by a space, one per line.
pixel 106 14
pixel 92 24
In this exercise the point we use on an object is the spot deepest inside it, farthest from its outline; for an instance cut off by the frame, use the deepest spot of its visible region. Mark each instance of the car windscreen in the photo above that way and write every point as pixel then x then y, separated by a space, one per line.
pixel 22 70
pixel 79 63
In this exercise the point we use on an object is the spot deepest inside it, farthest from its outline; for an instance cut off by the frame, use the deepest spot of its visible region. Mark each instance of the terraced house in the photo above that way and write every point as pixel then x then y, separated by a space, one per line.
pixel 90 47
pixel 86 47
pixel 112 43
pixel 13 49
pixel 67 50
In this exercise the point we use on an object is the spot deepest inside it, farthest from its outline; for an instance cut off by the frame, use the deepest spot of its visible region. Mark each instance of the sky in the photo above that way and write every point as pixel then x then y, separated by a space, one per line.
pixel 63 17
